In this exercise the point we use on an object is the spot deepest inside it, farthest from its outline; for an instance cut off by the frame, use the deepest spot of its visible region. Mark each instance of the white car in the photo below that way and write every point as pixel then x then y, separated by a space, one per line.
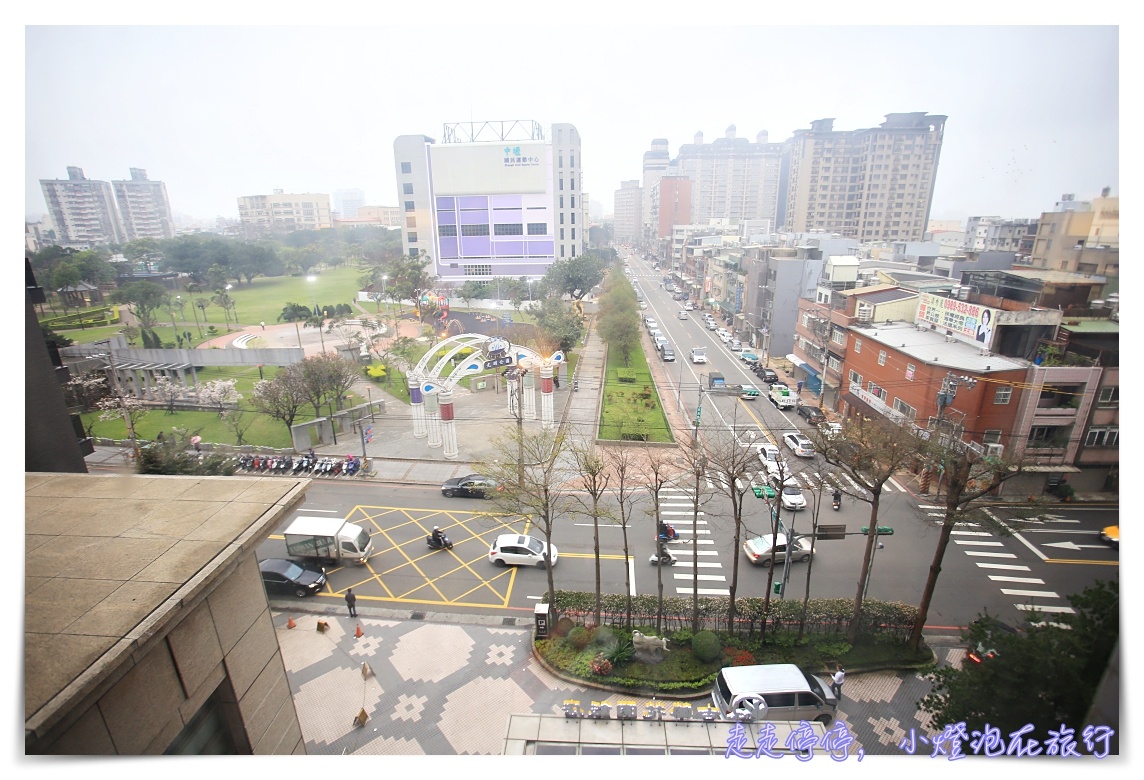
pixel 790 494
pixel 799 445
pixel 711 324
pixel 651 323
pixel 736 345
pixel 772 460
pixel 724 335
pixel 688 306
pixel 643 305
pixel 656 334
pixel 758 549
pixel 698 355
pixel 517 550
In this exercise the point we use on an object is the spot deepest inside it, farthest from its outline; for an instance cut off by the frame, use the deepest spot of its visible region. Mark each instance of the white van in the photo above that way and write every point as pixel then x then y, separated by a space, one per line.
pixel 773 692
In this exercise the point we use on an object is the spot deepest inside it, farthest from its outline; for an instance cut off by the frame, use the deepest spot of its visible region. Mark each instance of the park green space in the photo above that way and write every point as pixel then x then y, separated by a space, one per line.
pixel 631 407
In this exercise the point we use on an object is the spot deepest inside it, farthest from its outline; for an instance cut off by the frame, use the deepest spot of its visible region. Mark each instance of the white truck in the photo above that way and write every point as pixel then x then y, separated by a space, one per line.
pixel 327 539
pixel 782 397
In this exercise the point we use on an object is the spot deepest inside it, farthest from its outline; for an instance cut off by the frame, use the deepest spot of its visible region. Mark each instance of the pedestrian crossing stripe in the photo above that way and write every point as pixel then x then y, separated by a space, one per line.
pixel 701 577
pixel 704 591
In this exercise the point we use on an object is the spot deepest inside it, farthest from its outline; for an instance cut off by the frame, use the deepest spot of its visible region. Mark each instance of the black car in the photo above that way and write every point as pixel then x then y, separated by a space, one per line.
pixel 768 375
pixel 470 486
pixel 291 578
pixel 812 414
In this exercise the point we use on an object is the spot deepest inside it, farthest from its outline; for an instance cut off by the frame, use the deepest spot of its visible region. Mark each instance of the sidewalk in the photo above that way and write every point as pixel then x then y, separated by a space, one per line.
pixel 446 685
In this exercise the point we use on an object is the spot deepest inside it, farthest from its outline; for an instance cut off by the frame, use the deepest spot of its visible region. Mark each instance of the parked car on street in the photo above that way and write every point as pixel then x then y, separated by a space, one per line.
pixel 799 444
pixel 470 486
pixel 689 306
pixel 768 375
pixel 519 550
pixel 758 549
pixel 282 576
pixel 812 414
pixel 748 357
pixel 735 345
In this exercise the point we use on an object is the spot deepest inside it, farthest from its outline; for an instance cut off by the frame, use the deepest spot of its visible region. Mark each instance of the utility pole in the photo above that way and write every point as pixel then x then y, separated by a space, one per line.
pixel 945 398
pixel 700 465
pixel 698 415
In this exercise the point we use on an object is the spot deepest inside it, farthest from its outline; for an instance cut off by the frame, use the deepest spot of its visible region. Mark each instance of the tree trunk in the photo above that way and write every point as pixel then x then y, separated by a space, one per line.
pixel 871 538
pixel 737 514
pixel 596 548
pixel 957 480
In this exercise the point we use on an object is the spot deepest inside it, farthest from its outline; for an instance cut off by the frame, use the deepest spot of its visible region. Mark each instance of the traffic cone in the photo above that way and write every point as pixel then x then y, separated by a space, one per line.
pixel 359 633
pixel 290 623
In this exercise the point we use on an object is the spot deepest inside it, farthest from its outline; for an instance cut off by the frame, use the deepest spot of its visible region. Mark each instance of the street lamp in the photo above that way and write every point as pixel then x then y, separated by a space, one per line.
pixel 321 327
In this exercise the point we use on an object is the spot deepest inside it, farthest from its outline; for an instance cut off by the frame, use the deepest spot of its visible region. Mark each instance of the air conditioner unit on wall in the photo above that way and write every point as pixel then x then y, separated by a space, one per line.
pixel 994 450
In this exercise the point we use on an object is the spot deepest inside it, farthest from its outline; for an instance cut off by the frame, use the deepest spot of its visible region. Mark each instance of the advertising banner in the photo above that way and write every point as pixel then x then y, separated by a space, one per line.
pixel 968 320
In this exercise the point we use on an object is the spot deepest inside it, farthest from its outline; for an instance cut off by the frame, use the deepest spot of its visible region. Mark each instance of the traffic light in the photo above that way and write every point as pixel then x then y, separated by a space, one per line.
pixel 883 530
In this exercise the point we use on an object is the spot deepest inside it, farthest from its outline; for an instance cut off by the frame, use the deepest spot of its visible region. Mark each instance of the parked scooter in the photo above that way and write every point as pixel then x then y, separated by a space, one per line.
pixel 444 544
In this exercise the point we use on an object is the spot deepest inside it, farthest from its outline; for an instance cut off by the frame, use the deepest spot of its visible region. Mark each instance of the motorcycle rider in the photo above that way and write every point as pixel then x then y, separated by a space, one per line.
pixel 438 537
pixel 666 531
pixel 837 496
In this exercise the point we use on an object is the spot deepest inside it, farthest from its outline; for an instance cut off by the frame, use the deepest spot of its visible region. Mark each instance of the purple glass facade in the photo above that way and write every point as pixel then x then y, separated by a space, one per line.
pixel 520 253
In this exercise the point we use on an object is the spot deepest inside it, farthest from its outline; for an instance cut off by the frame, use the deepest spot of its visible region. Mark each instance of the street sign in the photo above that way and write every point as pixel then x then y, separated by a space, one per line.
pixel 497 362
pixel 882 530
pixel 829 532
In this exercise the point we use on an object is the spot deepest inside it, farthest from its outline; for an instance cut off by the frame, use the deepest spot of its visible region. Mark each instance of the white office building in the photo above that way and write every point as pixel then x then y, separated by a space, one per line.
pixel 493 199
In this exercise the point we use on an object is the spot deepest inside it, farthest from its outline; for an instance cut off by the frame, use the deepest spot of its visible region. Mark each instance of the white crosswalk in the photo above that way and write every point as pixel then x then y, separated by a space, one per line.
pixel 676 506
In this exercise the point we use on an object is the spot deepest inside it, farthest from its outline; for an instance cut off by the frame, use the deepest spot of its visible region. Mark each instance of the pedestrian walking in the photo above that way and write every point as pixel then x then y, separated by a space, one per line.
pixel 836 681
pixel 556 381
pixel 263 324
pixel 351 602
pixel 800 386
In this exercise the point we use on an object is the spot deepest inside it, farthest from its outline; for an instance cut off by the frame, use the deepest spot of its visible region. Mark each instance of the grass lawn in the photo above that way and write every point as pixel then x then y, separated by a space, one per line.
pixel 631 407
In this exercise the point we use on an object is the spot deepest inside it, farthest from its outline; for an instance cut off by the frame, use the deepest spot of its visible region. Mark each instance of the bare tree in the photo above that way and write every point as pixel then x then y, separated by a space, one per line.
pixel 238 422
pixel 968 477
pixel 627 477
pixel 661 469
pixel 593 477
pixel 326 377
pixel 281 397
pixel 540 495
pixel 870 451
pixel 733 466
pixel 694 459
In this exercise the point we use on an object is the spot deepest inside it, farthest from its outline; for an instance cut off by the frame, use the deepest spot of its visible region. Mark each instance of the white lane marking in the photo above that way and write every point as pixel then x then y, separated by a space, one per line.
pixel 1026 580
pixel 1017 536
pixel 983 554
pixel 701 577
pixel 979 544
pixel 1031 608
pixel 704 591
pixel 1006 566
pixel 1039 594
pixel 631 576
pixel 969 533
pixel 895 484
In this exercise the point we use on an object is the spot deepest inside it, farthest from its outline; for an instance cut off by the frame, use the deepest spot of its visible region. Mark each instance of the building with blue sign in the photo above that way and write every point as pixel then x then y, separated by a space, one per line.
pixel 493 199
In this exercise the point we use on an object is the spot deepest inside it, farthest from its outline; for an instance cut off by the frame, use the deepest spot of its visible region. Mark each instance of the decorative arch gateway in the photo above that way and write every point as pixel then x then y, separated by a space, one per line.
pixel 431 395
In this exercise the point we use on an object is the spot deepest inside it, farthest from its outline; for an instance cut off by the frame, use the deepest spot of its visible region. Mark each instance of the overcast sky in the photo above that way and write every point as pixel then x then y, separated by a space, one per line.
pixel 220 112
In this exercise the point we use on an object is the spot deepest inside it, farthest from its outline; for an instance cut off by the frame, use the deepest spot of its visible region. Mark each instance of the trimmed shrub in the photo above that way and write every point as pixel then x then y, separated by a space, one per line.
pixel 601 665
pixel 706 647
pixel 579 637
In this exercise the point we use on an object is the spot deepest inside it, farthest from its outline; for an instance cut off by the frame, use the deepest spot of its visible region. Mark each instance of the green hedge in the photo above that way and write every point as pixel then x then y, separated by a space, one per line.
pixel 92 317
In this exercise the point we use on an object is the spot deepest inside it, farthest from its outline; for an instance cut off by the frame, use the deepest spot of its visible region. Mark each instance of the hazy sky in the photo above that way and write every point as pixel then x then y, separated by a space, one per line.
pixel 220 112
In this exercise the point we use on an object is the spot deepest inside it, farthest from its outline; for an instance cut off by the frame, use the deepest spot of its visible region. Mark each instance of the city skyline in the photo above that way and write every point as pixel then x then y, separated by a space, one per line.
pixel 1014 144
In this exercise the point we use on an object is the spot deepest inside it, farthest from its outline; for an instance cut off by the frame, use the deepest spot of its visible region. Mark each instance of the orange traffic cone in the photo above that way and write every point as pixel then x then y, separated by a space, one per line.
pixel 290 623
pixel 359 633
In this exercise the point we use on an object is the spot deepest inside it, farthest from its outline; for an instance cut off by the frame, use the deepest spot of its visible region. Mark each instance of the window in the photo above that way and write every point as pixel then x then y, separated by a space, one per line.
pixel 561 201
pixel 873 389
pixel 561 183
pixel 573 201
pixel 1102 437
pixel 1109 396
pixel 478 270
pixel 834 363
pixel 838 336
pixel 409 205
pixel 881 357
pixel 573 217
pixel 572 184
pixel 573 234
pixel 561 158
pixel 561 234
pixel 857 345
pixel 561 218
pixel 413 238
pixel 407 188
pixel 1047 436
pixel 446 230
pixel 991 436
pixel 562 249
pixel 411 222
pixel 572 160
pixel 537 228
pixel 474 230
pixel 1002 395
pixel 905 409
pixel 508 229
pixel 406 167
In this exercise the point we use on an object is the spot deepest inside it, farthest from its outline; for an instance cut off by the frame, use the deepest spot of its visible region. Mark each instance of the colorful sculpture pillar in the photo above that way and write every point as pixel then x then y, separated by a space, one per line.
pixel 546 417
pixel 417 404
pixel 448 427
pixel 530 394
pixel 432 414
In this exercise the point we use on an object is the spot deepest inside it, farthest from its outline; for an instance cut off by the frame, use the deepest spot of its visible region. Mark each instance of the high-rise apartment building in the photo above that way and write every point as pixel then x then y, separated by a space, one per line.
pixel 282 212
pixel 493 199
pixel 82 211
pixel 731 178
pixel 143 207
pixel 347 203
pixel 627 218
pixel 655 162
pixel 873 184
pixel 671 203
